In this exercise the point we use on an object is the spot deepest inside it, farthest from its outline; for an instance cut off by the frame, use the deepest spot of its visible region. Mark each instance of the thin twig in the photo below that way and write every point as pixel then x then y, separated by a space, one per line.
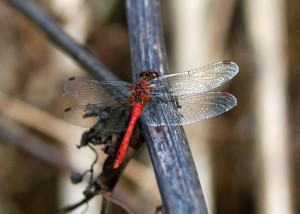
pixel 168 147
pixel 79 53
pixel 76 205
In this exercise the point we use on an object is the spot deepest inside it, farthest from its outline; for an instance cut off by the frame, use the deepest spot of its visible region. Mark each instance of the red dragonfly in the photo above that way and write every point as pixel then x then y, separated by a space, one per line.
pixel 116 106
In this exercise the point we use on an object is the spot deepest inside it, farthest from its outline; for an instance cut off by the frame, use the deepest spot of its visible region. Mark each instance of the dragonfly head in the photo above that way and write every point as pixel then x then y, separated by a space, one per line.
pixel 149 75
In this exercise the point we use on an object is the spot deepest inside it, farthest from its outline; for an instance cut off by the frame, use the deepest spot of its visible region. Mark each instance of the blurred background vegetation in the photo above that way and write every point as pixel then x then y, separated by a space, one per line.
pixel 246 159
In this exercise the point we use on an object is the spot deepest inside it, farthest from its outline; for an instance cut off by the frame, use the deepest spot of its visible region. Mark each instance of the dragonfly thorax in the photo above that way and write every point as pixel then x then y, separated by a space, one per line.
pixel 140 90
pixel 139 93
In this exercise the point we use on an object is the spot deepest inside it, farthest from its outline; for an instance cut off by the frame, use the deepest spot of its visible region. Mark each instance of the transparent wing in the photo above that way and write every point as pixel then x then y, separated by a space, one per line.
pixel 109 116
pixel 196 81
pixel 187 109
pixel 93 91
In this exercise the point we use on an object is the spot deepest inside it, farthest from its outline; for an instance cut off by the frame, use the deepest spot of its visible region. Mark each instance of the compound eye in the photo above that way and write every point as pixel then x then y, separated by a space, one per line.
pixel 142 74
pixel 155 74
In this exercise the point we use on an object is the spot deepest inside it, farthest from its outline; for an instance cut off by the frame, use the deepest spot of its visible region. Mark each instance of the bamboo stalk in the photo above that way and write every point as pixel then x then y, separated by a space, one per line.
pixel 173 164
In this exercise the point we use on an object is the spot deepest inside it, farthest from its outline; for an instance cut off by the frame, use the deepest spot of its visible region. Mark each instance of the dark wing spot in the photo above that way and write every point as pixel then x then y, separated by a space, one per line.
pixel 225 93
pixel 226 62
pixel 67 109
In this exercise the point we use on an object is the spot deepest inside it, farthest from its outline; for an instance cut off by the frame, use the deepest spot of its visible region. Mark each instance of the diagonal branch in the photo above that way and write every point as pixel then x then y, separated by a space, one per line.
pixel 79 53
pixel 168 147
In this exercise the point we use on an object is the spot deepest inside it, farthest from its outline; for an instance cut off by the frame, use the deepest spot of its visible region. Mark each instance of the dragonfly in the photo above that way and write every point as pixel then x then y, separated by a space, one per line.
pixel 169 100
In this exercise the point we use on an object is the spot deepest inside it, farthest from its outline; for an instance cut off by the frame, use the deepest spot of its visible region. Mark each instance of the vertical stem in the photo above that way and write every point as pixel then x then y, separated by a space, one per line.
pixel 168 147
pixel 267 28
